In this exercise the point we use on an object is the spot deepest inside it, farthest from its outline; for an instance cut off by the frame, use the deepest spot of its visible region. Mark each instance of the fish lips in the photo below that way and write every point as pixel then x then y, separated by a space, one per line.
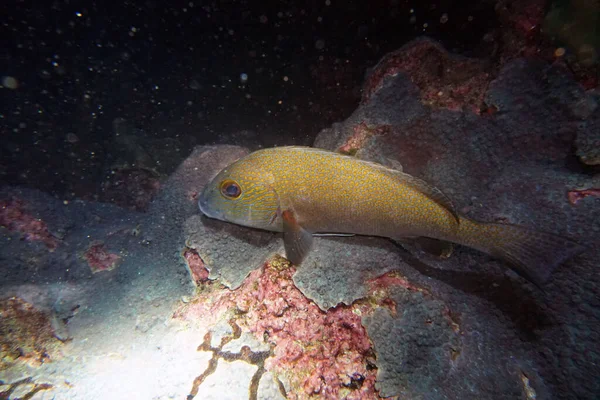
pixel 204 205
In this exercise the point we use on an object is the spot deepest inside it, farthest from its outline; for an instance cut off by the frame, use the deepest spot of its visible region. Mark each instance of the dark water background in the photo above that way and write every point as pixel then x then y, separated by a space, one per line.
pixel 173 71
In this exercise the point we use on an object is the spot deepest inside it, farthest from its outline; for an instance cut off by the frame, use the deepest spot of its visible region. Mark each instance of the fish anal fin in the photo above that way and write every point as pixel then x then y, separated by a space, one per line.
pixel 296 240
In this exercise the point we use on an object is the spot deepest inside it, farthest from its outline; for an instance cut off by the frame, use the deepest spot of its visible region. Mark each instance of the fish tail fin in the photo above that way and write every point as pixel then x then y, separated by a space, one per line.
pixel 531 253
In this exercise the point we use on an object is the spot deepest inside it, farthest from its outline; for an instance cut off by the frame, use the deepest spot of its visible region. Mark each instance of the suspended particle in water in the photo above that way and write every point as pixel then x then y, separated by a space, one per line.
pixel 243 77
pixel 444 18
pixel 10 82
pixel 72 138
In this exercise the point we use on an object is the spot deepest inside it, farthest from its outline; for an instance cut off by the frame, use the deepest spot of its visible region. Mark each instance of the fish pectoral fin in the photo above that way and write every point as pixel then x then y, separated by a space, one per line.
pixel 436 247
pixel 296 240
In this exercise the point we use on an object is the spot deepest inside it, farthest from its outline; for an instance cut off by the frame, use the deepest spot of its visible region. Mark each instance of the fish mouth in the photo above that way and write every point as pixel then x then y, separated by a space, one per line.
pixel 207 207
pixel 204 206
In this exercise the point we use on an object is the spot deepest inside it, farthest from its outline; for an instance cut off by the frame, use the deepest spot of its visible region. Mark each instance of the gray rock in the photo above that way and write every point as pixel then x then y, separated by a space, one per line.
pixel 230 381
pixel 413 346
pixel 246 339
pixel 218 332
pixel 230 251
pixel 338 269
pixel 268 388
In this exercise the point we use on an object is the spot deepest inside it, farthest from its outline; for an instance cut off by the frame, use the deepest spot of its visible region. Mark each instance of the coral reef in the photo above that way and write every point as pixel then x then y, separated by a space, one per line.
pixel 362 317
pixel 313 352
pixel 509 163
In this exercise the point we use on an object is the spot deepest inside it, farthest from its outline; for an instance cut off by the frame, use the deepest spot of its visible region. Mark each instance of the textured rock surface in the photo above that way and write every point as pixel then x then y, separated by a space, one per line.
pixel 444 80
pixel 245 339
pixel 268 388
pixel 338 269
pixel 230 381
pixel 419 360
pixel 228 252
pixel 588 139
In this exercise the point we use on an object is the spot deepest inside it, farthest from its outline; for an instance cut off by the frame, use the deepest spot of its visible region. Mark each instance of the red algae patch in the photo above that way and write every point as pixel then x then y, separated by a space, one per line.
pixel 99 259
pixel 131 188
pixel 575 196
pixel 390 279
pixel 14 218
pixel 445 80
pixel 361 135
pixel 327 354
pixel 195 266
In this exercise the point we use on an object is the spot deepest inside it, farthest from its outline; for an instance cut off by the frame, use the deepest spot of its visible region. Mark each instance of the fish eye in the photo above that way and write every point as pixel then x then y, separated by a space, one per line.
pixel 230 189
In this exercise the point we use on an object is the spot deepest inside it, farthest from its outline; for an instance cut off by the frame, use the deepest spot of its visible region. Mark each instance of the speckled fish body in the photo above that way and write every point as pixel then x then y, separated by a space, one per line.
pixel 301 191
pixel 330 192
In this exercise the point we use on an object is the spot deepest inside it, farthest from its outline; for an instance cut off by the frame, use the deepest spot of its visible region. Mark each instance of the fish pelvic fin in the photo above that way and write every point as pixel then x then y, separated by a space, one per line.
pixel 296 240
pixel 531 253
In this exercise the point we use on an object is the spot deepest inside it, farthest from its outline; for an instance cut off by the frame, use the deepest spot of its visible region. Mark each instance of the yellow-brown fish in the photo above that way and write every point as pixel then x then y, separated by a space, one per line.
pixel 301 191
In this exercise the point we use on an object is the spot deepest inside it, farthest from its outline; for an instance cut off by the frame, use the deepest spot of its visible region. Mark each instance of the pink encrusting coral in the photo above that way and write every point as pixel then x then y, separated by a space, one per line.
pixel 99 259
pixel 14 217
pixel 575 196
pixel 322 352
pixel 362 134
pixel 195 265
pixel 319 353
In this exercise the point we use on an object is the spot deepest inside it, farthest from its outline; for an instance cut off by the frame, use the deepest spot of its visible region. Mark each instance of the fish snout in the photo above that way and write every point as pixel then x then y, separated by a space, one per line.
pixel 203 204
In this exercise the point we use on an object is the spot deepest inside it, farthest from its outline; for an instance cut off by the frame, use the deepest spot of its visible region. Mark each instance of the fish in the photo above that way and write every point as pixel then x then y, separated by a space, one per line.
pixel 305 191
